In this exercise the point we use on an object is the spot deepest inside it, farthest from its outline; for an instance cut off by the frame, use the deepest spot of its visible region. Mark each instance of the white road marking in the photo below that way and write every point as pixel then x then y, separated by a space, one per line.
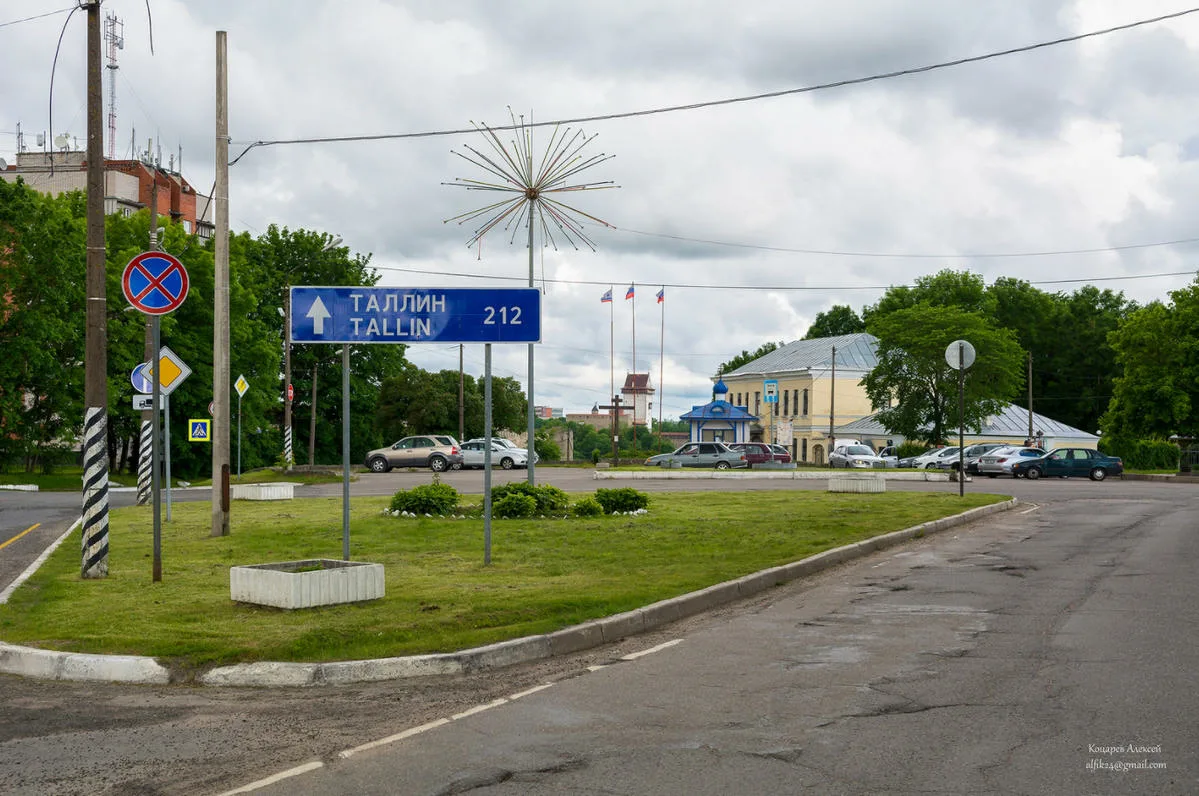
pixel 632 656
pixel 271 780
pixel 399 736
pixel 1029 511
pixel 532 690
pixel 479 709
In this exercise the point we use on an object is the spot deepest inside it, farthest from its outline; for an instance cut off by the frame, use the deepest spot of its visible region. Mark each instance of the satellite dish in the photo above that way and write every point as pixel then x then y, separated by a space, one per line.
pixel 62 141
pixel 959 354
pixel 3 164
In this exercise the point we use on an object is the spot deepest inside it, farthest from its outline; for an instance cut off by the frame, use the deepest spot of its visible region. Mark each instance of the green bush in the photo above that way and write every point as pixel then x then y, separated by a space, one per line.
pixel 587 507
pixel 623 499
pixel 514 506
pixel 909 449
pixel 595 456
pixel 548 499
pixel 1142 454
pixel 435 498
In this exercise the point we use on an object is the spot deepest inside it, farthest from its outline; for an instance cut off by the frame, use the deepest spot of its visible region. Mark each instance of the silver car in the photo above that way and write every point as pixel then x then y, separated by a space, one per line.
pixel 855 457
pixel 700 454
pixel 999 461
pixel 473 452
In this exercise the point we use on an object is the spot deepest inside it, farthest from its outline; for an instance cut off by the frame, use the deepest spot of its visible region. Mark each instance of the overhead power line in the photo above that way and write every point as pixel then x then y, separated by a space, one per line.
pixel 39 16
pixel 911 256
pixel 733 100
pixel 727 287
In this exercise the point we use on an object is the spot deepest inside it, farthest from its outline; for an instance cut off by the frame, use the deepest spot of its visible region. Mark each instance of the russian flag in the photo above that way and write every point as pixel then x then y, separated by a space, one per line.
pixel 629 293
pixel 607 297
pixel 661 295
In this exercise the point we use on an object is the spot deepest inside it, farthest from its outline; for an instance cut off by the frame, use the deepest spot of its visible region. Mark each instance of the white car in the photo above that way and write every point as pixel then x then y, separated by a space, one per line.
pixel 855 456
pixel 999 461
pixel 932 460
pixel 503 451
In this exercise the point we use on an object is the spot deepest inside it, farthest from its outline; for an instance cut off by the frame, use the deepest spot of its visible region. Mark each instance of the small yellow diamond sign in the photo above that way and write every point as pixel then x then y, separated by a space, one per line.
pixel 242 385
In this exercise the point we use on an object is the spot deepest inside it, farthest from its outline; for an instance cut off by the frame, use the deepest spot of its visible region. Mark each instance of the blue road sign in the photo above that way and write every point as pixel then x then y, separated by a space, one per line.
pixel 415 315
pixel 155 283
pixel 140 379
pixel 771 389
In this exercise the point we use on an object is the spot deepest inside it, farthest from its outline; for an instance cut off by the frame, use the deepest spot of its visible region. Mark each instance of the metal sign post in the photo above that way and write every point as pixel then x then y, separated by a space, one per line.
pixel 241 386
pixel 354 314
pixel 156 283
pixel 960 355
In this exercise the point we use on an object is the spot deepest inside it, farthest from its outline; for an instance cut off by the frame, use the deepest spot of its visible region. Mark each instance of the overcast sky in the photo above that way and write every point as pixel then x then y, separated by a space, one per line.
pixel 1087 145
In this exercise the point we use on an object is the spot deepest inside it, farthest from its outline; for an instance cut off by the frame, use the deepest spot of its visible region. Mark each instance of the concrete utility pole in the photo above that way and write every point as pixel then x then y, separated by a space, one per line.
pixel 95 418
pixel 146 459
pixel 220 313
pixel 832 404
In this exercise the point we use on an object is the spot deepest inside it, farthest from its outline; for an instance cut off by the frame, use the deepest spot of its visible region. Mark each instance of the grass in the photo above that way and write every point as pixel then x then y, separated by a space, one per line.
pixel 545 574
pixel 63 479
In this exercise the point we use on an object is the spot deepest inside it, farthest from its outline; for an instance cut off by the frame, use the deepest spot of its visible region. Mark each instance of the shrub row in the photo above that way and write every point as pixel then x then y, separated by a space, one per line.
pixel 1142 454
pixel 519 499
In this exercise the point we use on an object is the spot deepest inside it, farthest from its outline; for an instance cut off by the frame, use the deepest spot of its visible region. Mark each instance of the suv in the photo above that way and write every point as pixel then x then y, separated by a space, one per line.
pixel 755 452
pixel 700 454
pixel 437 452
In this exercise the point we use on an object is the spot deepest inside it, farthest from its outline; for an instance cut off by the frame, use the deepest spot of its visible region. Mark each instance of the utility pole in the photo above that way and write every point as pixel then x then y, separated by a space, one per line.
pixel 1030 395
pixel 832 404
pixel 220 313
pixel 147 458
pixel 95 418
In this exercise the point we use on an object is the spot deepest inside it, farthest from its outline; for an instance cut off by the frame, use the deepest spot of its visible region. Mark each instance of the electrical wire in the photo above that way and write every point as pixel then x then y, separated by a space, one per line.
pixel 909 256
pixel 727 287
pixel 732 100
pixel 39 16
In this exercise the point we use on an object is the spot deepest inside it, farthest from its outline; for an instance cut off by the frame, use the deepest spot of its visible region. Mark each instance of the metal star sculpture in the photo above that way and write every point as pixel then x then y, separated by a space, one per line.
pixel 532 194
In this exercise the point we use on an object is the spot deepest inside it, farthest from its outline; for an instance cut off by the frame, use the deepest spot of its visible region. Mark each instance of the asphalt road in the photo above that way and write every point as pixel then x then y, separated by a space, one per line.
pixel 1014 655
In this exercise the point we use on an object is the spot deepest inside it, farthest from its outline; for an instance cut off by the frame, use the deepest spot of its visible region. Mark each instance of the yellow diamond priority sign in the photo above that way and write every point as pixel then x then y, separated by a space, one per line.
pixel 172 370
pixel 242 385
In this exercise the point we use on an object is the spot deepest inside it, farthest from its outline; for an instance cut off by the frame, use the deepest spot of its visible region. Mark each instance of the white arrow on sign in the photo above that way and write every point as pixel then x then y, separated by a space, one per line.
pixel 319 314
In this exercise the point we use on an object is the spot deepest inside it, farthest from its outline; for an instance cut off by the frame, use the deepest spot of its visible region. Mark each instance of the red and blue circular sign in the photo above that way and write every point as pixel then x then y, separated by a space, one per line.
pixel 155 283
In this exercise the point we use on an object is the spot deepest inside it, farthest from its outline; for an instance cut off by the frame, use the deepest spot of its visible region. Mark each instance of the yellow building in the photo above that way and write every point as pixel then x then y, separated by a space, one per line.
pixel 817 384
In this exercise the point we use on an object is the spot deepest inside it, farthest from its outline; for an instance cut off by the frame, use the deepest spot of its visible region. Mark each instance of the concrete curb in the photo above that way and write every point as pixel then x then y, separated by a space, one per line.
pixel 751 475
pixel 20 487
pixel 50 665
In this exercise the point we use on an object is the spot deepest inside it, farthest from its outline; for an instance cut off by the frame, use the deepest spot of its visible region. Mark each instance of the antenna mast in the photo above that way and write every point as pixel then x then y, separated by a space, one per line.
pixel 114 34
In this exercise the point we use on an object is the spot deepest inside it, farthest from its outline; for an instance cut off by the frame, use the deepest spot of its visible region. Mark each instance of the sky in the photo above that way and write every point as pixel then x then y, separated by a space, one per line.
pixel 755 216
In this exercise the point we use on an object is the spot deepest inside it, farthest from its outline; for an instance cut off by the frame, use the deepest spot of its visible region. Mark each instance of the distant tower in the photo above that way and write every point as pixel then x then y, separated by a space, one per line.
pixel 114 34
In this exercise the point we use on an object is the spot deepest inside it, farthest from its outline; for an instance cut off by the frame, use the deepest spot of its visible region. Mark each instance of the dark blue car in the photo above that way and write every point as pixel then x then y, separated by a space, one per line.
pixel 1066 462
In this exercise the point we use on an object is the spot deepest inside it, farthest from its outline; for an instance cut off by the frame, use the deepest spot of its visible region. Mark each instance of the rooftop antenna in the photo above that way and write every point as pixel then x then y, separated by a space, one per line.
pixel 114 34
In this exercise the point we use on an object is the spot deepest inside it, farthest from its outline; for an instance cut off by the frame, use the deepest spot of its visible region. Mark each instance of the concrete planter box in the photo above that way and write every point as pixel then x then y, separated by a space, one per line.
pixel 857 482
pixel 306 584
pixel 262 491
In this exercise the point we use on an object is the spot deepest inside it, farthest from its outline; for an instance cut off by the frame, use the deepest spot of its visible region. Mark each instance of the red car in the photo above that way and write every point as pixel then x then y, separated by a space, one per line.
pixel 761 452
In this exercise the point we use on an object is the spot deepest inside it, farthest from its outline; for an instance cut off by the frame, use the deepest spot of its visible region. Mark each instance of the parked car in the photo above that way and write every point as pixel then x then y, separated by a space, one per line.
pixel 855 456
pixel 999 462
pixel 970 456
pixel 417 451
pixel 890 455
pixel 700 454
pixel 1066 462
pixel 755 452
pixel 474 451
pixel 929 459
pixel 506 444
pixel 781 454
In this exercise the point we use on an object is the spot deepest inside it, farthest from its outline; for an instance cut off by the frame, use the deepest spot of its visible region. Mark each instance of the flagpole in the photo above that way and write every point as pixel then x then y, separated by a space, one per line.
pixel 661 359
pixel 632 287
pixel 611 345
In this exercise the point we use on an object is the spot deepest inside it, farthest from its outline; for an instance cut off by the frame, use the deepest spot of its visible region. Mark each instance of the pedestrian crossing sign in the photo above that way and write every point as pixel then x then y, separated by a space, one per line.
pixel 199 430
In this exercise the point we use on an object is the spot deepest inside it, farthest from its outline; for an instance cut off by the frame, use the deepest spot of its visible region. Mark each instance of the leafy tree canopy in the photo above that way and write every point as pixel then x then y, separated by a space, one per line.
pixel 838 320
pixel 746 357
pixel 913 386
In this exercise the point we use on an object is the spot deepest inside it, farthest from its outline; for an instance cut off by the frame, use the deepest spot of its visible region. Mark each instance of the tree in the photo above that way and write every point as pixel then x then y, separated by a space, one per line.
pixel 946 288
pixel 838 320
pixel 913 387
pixel 42 253
pixel 1157 348
pixel 746 357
